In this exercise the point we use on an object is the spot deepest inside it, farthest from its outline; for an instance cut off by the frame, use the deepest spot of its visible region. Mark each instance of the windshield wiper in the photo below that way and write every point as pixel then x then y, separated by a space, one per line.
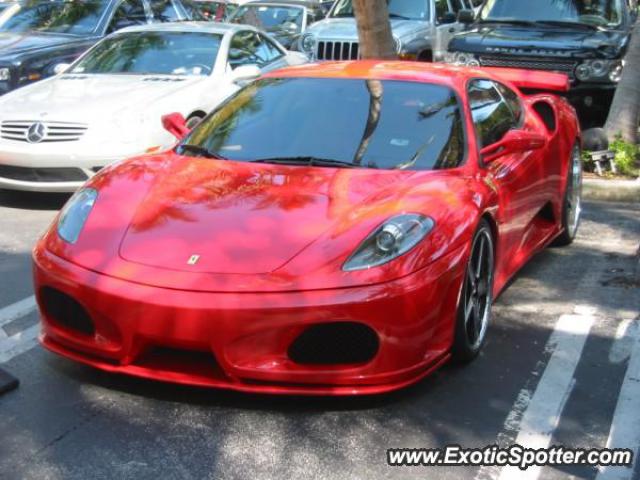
pixel 397 15
pixel 310 161
pixel 510 21
pixel 199 151
pixel 565 23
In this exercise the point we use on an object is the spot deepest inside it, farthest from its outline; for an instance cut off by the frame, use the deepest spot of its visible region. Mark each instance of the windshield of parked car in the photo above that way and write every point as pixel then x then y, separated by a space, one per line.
pixel 343 122
pixel 272 19
pixel 403 9
pixel 160 53
pixel 75 18
pixel 599 13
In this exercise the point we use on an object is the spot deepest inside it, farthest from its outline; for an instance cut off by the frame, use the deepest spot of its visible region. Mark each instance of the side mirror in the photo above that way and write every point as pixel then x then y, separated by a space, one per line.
pixel 61 68
pixel 245 73
pixel 176 125
pixel 466 17
pixel 514 141
pixel 448 18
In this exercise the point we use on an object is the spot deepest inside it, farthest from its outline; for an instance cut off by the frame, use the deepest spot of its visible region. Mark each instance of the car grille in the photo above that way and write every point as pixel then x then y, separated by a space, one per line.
pixel 568 67
pixel 43 175
pixel 17 130
pixel 338 51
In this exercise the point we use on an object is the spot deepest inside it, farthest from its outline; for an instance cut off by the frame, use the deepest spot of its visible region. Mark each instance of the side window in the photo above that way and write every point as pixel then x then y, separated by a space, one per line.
pixel 442 8
pixel 458 5
pixel 513 101
pixel 164 11
pixel 128 13
pixel 251 48
pixel 492 116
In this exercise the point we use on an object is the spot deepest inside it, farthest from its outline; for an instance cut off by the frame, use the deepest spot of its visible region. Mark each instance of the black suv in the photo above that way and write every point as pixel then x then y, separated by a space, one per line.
pixel 586 39
pixel 36 35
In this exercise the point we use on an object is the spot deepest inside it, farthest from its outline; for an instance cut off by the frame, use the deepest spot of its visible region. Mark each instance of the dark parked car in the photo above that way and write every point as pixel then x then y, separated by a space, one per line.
pixel 586 39
pixel 40 34
pixel 284 20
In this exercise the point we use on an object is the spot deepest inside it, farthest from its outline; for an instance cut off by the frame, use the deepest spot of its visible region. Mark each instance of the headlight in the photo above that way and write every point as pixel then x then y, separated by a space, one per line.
pixel 75 213
pixel 461 59
pixel 599 70
pixel 308 43
pixel 5 74
pixel 392 239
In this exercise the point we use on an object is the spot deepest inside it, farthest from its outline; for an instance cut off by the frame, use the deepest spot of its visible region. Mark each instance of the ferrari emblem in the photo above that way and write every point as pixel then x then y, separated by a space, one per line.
pixel 193 259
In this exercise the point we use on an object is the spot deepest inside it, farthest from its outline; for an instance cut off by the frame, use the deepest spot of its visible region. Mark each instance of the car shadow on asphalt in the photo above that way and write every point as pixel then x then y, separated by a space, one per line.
pixel 33 200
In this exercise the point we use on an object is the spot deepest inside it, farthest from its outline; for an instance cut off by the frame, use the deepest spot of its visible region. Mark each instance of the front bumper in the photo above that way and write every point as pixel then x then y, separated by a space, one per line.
pixel 240 341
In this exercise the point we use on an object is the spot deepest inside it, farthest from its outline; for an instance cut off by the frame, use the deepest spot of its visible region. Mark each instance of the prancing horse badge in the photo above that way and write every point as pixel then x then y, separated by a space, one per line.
pixel 193 259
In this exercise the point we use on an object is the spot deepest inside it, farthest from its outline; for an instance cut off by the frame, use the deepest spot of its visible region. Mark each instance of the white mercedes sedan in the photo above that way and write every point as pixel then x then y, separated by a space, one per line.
pixel 108 105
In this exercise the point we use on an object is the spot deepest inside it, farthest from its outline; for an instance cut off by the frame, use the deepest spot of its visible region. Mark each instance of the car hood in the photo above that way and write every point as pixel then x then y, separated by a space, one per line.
pixel 205 225
pixel 241 218
pixel 83 98
pixel 16 43
pixel 345 28
pixel 516 40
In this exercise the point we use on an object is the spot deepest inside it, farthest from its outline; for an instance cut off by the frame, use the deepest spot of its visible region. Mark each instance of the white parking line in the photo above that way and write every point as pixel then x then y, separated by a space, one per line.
pixel 545 407
pixel 21 341
pixel 17 310
pixel 625 426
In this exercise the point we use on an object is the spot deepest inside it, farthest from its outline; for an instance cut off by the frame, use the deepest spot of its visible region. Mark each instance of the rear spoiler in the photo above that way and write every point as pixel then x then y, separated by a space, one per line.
pixel 533 79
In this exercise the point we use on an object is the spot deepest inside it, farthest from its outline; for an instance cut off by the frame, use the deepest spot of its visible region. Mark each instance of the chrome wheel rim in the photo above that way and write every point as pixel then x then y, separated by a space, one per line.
pixel 478 289
pixel 574 194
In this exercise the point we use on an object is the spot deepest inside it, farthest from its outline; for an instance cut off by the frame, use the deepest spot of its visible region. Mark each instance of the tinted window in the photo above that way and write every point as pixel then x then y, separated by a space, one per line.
pixel 411 9
pixel 442 7
pixel 594 12
pixel 164 11
pixel 369 123
pixel 270 19
pixel 491 114
pixel 512 100
pixel 250 48
pixel 78 18
pixel 153 52
pixel 129 13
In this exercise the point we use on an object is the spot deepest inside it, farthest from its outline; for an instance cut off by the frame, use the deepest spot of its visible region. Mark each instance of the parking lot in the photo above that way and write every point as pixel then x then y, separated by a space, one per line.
pixel 562 366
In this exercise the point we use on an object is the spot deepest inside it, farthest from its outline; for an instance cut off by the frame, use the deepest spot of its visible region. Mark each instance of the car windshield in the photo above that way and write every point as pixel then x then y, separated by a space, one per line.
pixel 407 9
pixel 160 53
pixel 70 17
pixel 599 13
pixel 354 123
pixel 270 18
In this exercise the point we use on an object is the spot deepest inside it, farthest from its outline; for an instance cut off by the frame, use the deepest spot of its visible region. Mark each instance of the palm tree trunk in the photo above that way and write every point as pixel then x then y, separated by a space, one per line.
pixel 374 29
pixel 624 115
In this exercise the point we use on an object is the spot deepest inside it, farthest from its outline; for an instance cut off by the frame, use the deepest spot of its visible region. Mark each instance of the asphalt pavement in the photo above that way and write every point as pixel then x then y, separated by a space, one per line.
pixel 561 367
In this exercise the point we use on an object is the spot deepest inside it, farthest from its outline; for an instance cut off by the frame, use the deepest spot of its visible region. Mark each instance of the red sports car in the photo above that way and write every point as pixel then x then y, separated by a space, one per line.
pixel 332 229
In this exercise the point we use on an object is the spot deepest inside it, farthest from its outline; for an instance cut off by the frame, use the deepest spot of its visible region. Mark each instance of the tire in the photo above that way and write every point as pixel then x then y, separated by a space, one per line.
pixel 476 297
pixel 193 121
pixel 572 201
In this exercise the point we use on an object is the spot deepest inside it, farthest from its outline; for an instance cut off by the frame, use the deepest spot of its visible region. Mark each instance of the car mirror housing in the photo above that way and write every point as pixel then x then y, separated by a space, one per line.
pixel 245 73
pixel 515 141
pixel 176 125
pixel 466 16
pixel 61 68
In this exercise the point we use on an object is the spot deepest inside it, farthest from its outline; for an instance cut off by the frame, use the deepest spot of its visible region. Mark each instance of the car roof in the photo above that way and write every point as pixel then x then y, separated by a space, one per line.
pixel 292 3
pixel 380 70
pixel 189 27
pixel 435 73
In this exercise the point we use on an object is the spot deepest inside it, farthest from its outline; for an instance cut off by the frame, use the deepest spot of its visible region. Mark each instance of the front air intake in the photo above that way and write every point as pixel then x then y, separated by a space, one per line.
pixel 66 312
pixel 336 343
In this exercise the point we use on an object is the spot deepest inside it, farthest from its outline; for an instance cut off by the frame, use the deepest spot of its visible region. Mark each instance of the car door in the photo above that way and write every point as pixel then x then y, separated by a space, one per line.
pixel 447 25
pixel 518 179
pixel 249 47
pixel 127 14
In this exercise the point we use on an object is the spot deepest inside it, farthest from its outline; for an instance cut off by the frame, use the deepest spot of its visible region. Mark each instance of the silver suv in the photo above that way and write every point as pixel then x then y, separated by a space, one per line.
pixel 421 29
